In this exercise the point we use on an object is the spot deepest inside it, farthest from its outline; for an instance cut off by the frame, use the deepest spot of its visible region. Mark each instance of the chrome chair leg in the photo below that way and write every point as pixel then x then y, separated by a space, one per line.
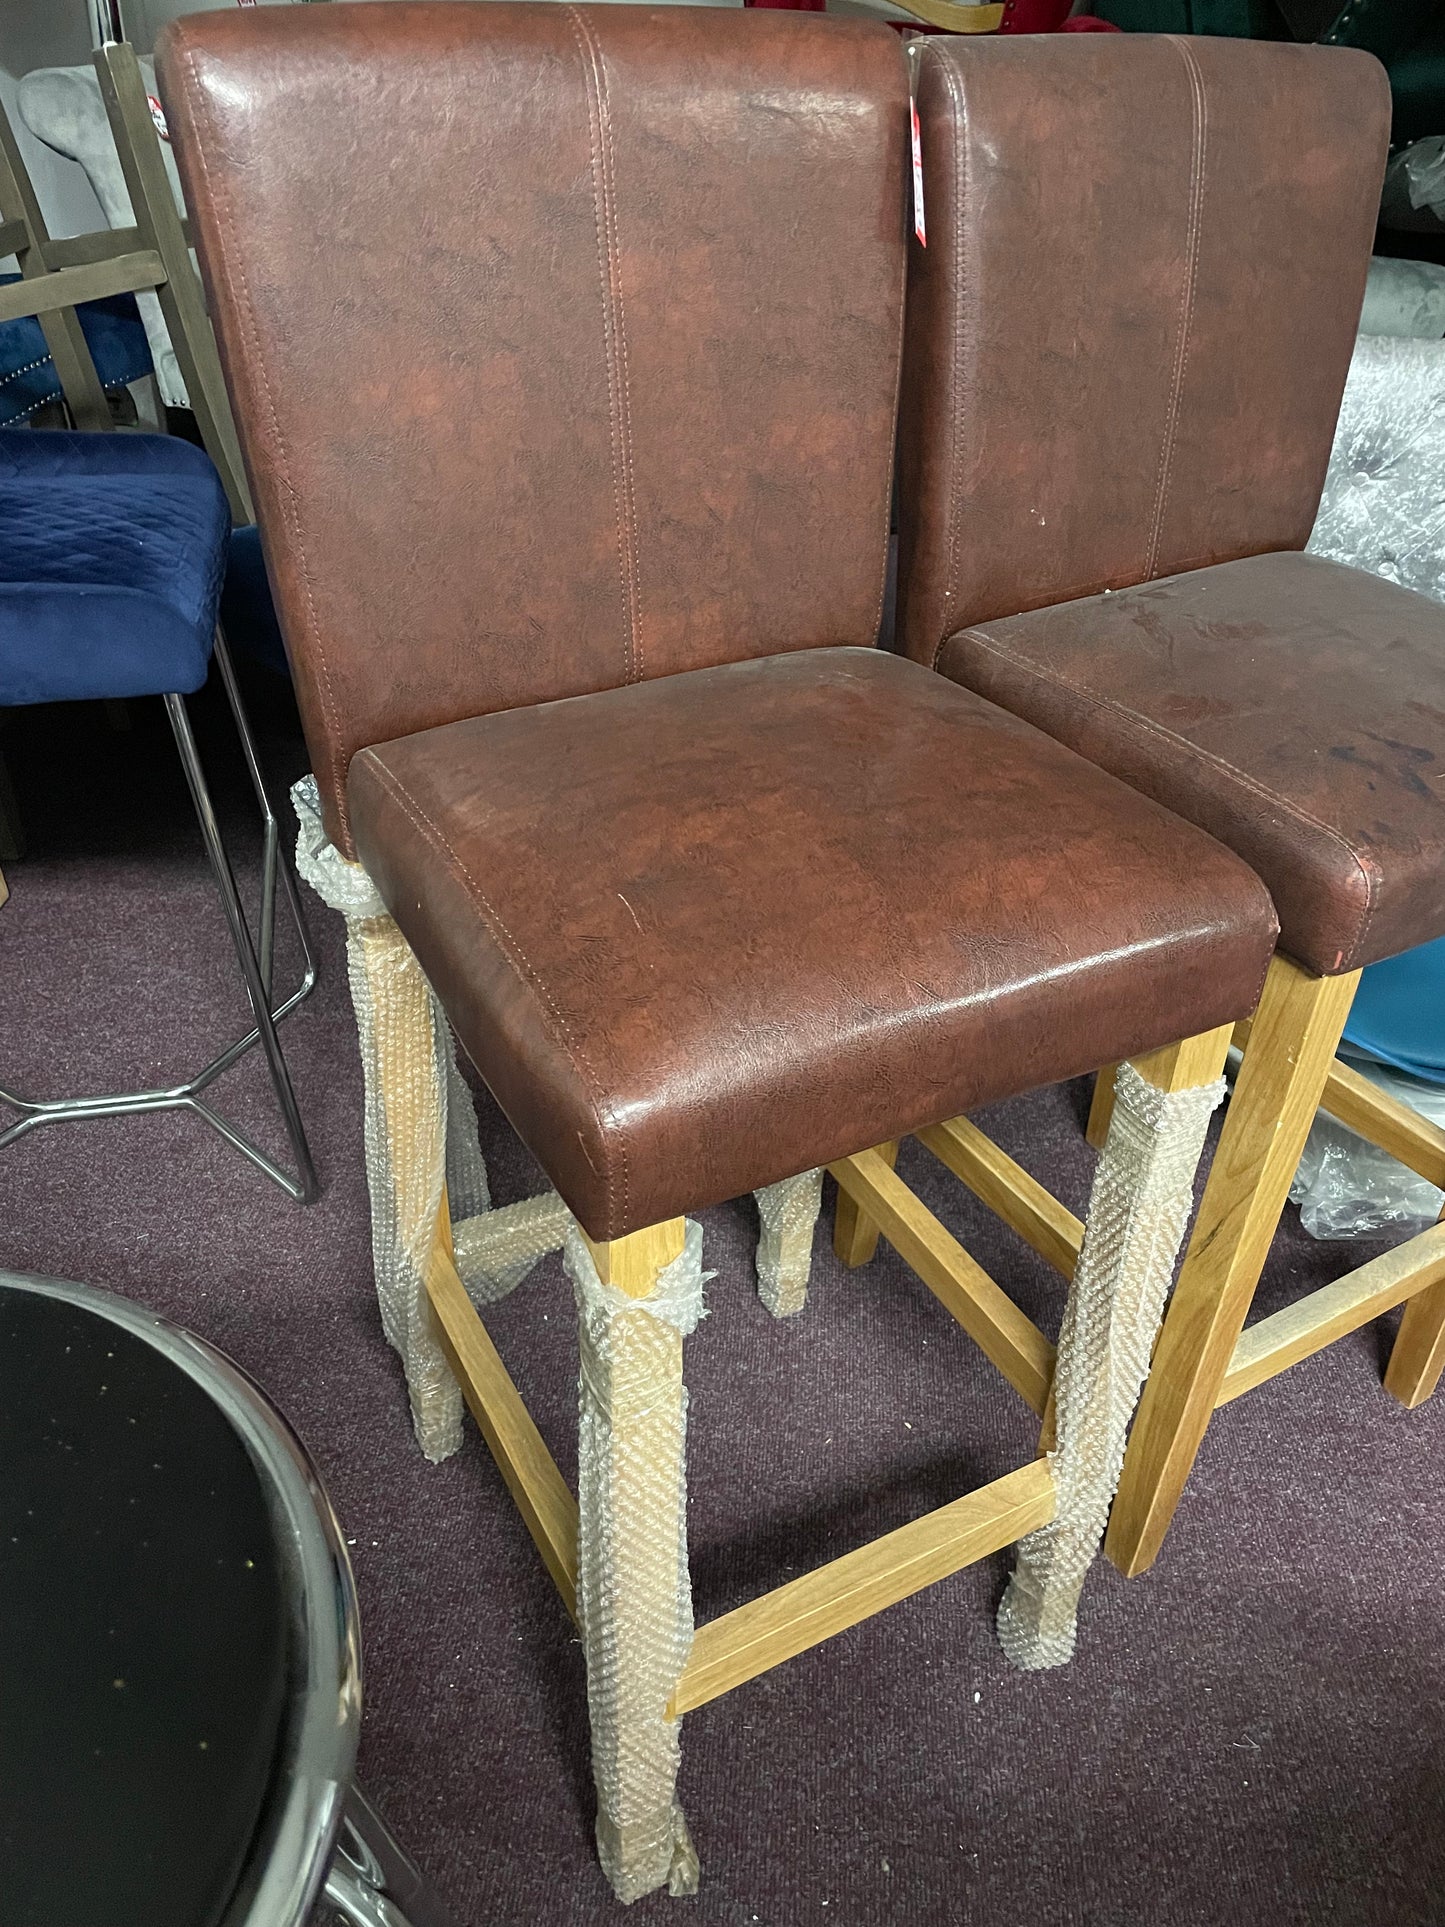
pixel 257 988
pixel 372 1882
pixel 270 852
pixel 256 965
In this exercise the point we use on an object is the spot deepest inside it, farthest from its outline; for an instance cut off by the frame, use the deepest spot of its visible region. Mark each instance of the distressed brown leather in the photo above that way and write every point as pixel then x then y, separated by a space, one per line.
pixel 563 341
pixel 706 931
pixel 1129 332
pixel 1293 708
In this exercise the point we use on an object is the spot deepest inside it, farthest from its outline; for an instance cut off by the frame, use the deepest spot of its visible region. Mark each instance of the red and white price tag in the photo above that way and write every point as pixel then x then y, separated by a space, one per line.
pixel 918 224
pixel 158 115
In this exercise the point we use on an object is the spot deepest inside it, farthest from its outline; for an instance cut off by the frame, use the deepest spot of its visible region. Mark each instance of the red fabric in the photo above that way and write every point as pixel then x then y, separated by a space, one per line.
pixel 1033 16
pixel 1049 16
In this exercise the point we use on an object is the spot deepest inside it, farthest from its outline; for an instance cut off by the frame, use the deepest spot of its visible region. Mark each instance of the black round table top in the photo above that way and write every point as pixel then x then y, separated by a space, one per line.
pixel 143 1630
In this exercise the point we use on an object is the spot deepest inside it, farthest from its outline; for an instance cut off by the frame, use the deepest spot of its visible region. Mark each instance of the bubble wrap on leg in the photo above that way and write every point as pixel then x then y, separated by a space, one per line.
pixel 497 1249
pixel 633 1595
pixel 787 1213
pixel 1138 1211
pixel 403 1053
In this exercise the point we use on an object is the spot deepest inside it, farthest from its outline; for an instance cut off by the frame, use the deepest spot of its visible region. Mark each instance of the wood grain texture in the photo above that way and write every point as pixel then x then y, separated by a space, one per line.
pixel 1101 1109
pixel 1292 1044
pixel 990 1317
pixel 855 1234
pixel 1189 1063
pixel 50 293
pixel 1384 1120
pixel 79 250
pixel 805 1612
pixel 1007 1189
pixel 1417 1357
pixel 953 18
pixel 632 1263
pixel 1287 1336
pixel 536 1485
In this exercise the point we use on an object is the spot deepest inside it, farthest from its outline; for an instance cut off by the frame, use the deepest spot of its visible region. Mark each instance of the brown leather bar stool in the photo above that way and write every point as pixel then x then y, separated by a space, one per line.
pixel 565 376
pixel 1127 342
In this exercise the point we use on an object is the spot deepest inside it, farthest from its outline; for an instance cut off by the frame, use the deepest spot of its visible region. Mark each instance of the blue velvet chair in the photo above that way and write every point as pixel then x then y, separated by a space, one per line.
pixel 112 551
pixel 28 375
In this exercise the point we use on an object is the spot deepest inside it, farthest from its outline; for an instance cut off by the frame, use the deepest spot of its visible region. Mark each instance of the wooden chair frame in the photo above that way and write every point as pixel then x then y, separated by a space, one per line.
pixel 873 1200
pixel 162 231
pixel 1204 1356
pixel 152 256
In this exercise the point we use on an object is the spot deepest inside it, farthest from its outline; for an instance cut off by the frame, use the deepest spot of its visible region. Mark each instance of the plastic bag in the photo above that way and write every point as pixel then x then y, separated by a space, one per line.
pixel 1383 507
pixel 1347 1187
pixel 1415 178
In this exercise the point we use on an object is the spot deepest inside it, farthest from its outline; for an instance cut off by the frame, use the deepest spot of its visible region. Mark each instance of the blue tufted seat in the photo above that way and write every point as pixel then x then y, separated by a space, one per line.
pixel 112 550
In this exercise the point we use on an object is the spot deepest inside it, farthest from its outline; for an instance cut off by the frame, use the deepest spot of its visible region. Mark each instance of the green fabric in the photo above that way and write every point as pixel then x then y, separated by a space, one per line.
pixel 1386 28
pixel 1407 35
pixel 1417 82
pixel 1145 16
pixel 1237 19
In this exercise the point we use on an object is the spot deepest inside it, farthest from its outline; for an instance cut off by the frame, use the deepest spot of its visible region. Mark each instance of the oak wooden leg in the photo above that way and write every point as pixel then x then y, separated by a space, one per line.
pixel 1288 1057
pixel 855 1234
pixel 1102 1107
pixel 1417 1356
pixel 634 1603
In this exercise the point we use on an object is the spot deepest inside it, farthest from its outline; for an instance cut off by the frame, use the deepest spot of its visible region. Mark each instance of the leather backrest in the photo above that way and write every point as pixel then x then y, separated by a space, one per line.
pixel 563 341
pixel 1129 332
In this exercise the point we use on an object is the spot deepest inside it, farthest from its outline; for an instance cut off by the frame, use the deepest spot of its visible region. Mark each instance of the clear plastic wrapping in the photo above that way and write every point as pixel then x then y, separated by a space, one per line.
pixel 420 1132
pixel 1415 183
pixel 1138 1210
pixel 787 1214
pixel 1383 507
pixel 1346 1187
pixel 1404 298
pixel 634 1598
pixel 496 1250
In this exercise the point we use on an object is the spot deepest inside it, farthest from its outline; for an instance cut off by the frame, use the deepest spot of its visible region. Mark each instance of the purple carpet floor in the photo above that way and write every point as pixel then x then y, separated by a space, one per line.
pixel 1254 1732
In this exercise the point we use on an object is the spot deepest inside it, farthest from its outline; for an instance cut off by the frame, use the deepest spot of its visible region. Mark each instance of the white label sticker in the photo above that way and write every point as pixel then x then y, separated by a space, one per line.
pixel 918 226
pixel 158 115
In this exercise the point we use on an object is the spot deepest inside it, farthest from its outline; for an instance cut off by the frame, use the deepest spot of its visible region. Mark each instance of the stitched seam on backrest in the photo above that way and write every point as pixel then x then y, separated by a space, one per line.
pixel 515 958
pixel 1199 155
pixel 957 286
pixel 234 272
pixel 614 327
pixel 1362 861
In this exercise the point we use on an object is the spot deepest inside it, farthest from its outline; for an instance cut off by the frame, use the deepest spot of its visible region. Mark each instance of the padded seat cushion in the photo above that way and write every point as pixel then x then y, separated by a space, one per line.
pixel 703 932
pixel 1293 708
pixel 112 549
